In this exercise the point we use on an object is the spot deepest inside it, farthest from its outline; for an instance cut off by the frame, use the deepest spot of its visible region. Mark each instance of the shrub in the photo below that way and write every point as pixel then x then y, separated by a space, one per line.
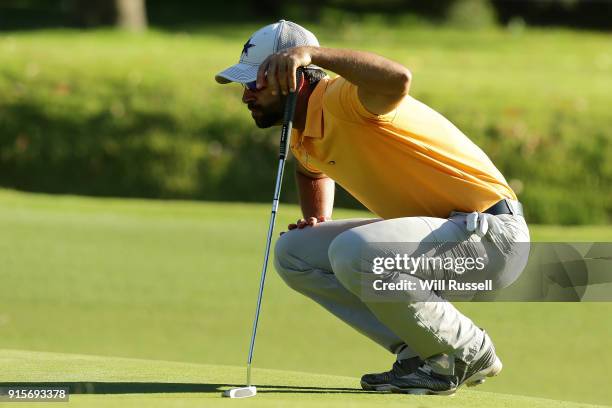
pixel 109 114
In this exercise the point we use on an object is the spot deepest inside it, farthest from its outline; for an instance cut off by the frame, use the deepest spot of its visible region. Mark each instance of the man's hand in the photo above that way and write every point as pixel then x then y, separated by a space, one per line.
pixel 382 83
pixel 278 71
pixel 305 222
pixel 311 221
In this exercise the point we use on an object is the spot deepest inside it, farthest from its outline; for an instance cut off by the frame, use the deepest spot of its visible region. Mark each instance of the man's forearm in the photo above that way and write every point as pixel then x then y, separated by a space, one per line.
pixel 364 69
pixel 316 196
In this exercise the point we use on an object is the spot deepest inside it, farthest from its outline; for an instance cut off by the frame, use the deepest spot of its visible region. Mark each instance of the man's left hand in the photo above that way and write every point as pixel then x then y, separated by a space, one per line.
pixel 278 71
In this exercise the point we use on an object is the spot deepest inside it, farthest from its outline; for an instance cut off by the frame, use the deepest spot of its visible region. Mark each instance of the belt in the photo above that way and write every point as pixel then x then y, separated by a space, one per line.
pixel 505 206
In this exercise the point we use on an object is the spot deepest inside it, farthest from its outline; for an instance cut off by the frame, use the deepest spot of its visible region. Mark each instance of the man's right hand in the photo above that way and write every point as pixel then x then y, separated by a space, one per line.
pixel 305 222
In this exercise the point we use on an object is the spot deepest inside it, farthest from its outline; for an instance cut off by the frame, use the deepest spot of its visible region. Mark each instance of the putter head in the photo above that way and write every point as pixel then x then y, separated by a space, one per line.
pixel 243 392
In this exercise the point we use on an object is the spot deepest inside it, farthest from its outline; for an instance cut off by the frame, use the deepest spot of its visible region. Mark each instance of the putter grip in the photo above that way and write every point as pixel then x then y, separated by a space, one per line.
pixel 288 118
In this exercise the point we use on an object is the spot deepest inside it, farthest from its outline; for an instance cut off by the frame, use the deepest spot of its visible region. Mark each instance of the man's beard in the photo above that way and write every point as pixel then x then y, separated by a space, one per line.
pixel 271 117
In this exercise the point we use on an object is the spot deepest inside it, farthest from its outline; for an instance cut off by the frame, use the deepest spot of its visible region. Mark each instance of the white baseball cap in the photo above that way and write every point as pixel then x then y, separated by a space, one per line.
pixel 266 41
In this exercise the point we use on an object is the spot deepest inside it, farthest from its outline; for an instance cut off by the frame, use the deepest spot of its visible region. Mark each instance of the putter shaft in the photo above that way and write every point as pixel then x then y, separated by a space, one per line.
pixel 284 143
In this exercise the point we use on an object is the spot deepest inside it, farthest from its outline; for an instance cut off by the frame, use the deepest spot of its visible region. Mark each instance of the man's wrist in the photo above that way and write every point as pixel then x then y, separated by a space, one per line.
pixel 318 217
pixel 315 56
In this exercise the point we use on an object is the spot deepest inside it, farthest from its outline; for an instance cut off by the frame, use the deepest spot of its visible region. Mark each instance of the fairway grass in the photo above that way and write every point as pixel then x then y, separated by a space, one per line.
pixel 177 281
pixel 120 382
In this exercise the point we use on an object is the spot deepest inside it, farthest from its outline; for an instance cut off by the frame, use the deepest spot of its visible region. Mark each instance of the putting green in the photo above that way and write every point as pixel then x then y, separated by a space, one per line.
pixel 121 382
pixel 177 281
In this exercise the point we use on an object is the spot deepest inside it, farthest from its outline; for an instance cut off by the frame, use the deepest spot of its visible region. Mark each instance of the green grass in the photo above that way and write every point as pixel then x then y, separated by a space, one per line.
pixel 121 382
pixel 170 280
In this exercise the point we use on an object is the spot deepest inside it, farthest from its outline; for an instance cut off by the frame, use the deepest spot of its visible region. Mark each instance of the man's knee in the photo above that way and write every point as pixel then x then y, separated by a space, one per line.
pixel 287 261
pixel 345 256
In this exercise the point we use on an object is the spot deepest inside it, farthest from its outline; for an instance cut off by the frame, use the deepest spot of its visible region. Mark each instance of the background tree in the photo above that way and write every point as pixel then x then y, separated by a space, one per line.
pixel 131 14
pixel 127 14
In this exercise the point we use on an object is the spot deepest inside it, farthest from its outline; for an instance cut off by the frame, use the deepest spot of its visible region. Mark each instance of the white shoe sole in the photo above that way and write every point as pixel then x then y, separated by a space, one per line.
pixel 480 377
pixel 379 387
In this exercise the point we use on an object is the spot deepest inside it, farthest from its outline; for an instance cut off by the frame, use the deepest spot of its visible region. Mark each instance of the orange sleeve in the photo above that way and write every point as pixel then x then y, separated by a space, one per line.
pixel 342 100
pixel 300 156
pixel 305 165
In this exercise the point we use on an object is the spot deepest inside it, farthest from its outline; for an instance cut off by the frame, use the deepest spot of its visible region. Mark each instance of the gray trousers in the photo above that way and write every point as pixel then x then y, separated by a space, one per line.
pixel 325 263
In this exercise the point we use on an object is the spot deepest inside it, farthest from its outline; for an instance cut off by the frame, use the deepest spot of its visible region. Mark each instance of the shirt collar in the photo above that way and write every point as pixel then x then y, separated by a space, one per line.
pixel 314 114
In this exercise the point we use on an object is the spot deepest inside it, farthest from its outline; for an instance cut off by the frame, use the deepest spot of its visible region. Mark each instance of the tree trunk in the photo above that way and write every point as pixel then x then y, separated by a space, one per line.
pixel 131 14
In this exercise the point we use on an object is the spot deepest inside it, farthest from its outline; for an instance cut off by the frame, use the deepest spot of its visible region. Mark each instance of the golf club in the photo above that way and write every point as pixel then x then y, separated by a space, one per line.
pixel 250 390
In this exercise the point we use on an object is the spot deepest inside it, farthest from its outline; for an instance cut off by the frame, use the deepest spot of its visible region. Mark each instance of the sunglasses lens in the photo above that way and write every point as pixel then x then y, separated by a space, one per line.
pixel 251 85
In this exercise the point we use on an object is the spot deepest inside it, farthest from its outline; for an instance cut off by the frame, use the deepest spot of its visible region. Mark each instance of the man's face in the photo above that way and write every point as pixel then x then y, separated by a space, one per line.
pixel 266 109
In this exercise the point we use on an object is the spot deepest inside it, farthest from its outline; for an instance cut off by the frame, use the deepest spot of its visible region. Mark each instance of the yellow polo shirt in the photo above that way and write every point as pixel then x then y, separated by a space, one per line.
pixel 409 162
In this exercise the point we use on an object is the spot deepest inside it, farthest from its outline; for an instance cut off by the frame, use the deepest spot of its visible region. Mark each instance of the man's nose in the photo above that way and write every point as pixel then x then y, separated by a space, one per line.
pixel 248 95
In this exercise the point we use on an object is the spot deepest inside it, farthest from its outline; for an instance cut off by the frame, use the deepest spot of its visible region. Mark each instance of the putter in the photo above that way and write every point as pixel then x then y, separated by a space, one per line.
pixel 251 390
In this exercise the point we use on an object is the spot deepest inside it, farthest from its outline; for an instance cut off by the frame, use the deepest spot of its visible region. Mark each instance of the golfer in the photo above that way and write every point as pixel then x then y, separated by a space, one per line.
pixel 428 182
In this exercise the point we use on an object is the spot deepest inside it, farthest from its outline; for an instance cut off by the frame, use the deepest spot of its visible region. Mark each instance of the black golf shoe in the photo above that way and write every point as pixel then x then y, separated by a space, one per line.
pixel 431 379
pixel 382 381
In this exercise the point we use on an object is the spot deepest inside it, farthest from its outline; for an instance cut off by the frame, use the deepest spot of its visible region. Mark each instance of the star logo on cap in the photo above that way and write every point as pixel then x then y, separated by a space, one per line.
pixel 246 46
